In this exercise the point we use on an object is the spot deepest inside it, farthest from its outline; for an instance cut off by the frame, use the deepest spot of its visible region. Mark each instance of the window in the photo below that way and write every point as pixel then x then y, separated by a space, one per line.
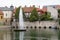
pixel 31 27
pixel 6 14
pixel 27 27
pixel 39 27
pixel 1 17
pixel 44 27
pixel 6 20
pixel 50 27
pixel 35 27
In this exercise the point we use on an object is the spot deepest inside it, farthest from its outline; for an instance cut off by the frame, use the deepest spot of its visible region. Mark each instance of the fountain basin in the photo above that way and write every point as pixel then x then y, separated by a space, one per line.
pixel 19 30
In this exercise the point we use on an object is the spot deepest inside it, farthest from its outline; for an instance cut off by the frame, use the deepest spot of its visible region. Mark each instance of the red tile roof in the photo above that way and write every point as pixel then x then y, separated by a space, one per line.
pixel 29 9
pixel 44 9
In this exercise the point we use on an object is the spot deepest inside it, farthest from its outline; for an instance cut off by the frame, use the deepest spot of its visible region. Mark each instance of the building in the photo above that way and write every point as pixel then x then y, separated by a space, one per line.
pixel 44 8
pixel 13 14
pixel 5 18
pixel 7 13
pixel 27 10
pixel 1 16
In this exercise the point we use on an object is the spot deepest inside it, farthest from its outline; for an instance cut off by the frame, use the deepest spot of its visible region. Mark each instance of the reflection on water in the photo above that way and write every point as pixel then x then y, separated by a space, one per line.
pixel 42 34
pixel 59 35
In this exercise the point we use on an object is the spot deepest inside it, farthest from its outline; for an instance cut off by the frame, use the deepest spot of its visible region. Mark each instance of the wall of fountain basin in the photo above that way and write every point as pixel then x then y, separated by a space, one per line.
pixel 40 25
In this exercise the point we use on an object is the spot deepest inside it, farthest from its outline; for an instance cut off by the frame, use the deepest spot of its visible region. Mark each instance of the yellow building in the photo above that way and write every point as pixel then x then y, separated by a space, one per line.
pixel 1 16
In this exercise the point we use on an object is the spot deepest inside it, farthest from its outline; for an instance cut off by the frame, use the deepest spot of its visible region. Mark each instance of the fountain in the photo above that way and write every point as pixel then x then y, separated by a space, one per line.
pixel 21 25
pixel 21 28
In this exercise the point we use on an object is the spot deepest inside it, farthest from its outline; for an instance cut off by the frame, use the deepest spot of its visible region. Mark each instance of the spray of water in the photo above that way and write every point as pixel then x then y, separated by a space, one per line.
pixel 21 24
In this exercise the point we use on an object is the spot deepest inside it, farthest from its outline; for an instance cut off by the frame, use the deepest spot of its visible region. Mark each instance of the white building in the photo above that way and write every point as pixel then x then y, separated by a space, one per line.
pixel 7 13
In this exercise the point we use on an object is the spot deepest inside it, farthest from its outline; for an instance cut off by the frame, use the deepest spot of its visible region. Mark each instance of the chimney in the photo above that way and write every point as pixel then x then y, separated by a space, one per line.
pixel 25 6
pixel 11 7
pixel 39 6
pixel 6 6
pixel 33 5
pixel 30 5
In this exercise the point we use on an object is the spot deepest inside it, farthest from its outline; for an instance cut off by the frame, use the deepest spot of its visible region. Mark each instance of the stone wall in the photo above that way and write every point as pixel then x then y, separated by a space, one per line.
pixel 41 24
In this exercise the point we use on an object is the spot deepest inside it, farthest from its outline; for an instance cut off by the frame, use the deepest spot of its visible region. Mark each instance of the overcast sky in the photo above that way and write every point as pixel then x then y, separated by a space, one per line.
pixel 28 2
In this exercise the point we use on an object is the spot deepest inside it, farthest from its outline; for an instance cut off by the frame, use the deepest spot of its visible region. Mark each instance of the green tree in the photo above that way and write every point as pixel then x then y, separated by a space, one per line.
pixel 48 15
pixel 17 13
pixel 58 12
pixel 34 15
pixel 59 16
pixel 45 16
pixel 24 17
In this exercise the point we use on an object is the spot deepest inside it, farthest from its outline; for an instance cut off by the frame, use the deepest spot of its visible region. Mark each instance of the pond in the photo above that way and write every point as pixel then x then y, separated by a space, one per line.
pixel 33 34
pixel 42 34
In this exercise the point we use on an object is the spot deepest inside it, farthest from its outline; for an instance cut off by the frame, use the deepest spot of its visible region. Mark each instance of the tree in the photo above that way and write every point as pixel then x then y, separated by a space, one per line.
pixel 34 15
pixel 24 16
pixel 59 21
pixel 45 16
pixel 48 15
pixel 58 12
pixel 17 13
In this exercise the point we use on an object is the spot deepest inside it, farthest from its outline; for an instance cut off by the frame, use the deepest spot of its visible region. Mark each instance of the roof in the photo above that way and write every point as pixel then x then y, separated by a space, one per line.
pixel 29 9
pixel 5 9
pixel 44 9
pixel 1 13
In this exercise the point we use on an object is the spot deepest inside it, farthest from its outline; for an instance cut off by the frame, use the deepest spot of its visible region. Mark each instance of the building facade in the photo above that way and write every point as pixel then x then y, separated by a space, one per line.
pixel 7 13
pixel 1 16
pixel 27 10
